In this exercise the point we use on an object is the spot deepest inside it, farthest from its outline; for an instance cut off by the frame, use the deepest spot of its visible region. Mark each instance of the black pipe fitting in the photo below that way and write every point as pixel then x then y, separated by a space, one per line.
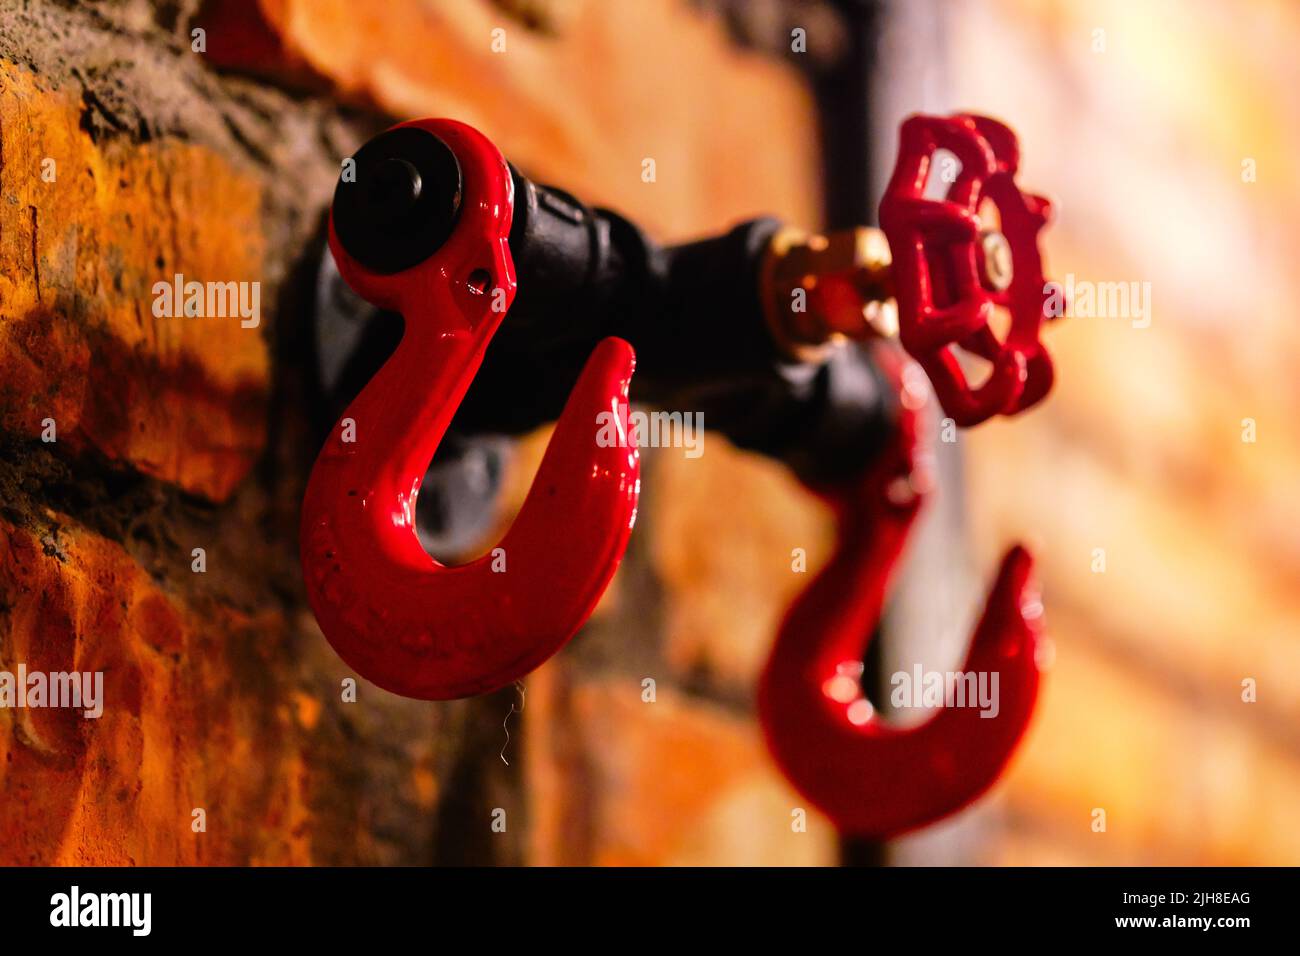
pixel 692 312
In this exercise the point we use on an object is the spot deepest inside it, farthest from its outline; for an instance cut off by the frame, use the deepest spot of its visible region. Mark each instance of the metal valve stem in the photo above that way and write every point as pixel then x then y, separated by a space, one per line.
pixel 818 291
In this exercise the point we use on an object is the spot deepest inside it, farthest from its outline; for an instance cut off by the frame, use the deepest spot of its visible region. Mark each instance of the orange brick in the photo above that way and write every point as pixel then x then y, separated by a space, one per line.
pixel 723 528
pixel 616 781
pixel 180 399
pixel 580 107
pixel 187 721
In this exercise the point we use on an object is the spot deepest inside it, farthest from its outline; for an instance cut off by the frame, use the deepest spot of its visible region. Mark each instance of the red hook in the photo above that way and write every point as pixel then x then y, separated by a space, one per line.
pixel 870 779
pixel 393 613
pixel 951 270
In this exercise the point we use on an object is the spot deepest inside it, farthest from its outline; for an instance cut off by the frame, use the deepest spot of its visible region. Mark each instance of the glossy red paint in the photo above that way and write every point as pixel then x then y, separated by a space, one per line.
pixel 398 617
pixel 871 779
pixel 942 302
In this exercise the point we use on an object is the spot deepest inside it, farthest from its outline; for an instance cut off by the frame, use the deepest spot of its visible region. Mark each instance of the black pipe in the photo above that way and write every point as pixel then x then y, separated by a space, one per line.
pixel 692 312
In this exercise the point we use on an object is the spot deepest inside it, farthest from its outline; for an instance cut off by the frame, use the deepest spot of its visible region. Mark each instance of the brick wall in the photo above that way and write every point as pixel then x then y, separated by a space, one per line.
pixel 1143 132
pixel 171 434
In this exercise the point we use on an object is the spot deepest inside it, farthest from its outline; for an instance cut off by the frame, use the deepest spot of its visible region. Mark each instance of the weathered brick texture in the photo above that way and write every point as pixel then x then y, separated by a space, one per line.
pixel 181 433
pixel 182 401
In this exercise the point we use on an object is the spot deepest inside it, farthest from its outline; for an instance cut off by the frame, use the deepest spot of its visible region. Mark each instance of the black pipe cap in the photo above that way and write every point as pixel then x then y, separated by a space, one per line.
pixel 397 203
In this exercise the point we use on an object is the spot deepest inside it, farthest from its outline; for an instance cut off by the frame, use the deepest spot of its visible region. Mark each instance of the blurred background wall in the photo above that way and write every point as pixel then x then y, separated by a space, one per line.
pixel 1166 131
pixel 1168 561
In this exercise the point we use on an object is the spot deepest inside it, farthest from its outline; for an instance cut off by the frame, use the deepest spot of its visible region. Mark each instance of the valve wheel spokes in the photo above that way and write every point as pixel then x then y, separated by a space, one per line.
pixel 393 613
pixel 869 778
pixel 944 302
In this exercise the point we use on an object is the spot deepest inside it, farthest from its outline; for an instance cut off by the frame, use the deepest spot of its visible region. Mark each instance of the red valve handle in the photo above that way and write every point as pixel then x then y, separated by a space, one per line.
pixel 399 618
pixel 872 779
pixel 942 300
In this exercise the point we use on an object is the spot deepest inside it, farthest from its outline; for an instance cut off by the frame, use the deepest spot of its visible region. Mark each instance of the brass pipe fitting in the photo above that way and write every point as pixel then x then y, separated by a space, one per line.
pixel 818 291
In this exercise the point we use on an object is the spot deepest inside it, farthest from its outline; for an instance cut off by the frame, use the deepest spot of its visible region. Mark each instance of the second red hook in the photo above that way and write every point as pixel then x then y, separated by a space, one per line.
pixel 872 779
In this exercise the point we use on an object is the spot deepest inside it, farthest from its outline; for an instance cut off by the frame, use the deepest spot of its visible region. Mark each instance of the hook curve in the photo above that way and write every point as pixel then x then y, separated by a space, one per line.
pixel 398 617
pixel 872 779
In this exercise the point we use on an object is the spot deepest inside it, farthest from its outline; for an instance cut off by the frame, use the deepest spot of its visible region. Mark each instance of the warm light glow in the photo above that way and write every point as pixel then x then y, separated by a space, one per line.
pixel 841 689
pixel 860 712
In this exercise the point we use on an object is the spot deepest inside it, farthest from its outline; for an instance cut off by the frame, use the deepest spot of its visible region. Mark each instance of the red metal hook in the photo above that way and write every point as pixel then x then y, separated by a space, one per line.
pixel 871 779
pixel 945 295
pixel 398 617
